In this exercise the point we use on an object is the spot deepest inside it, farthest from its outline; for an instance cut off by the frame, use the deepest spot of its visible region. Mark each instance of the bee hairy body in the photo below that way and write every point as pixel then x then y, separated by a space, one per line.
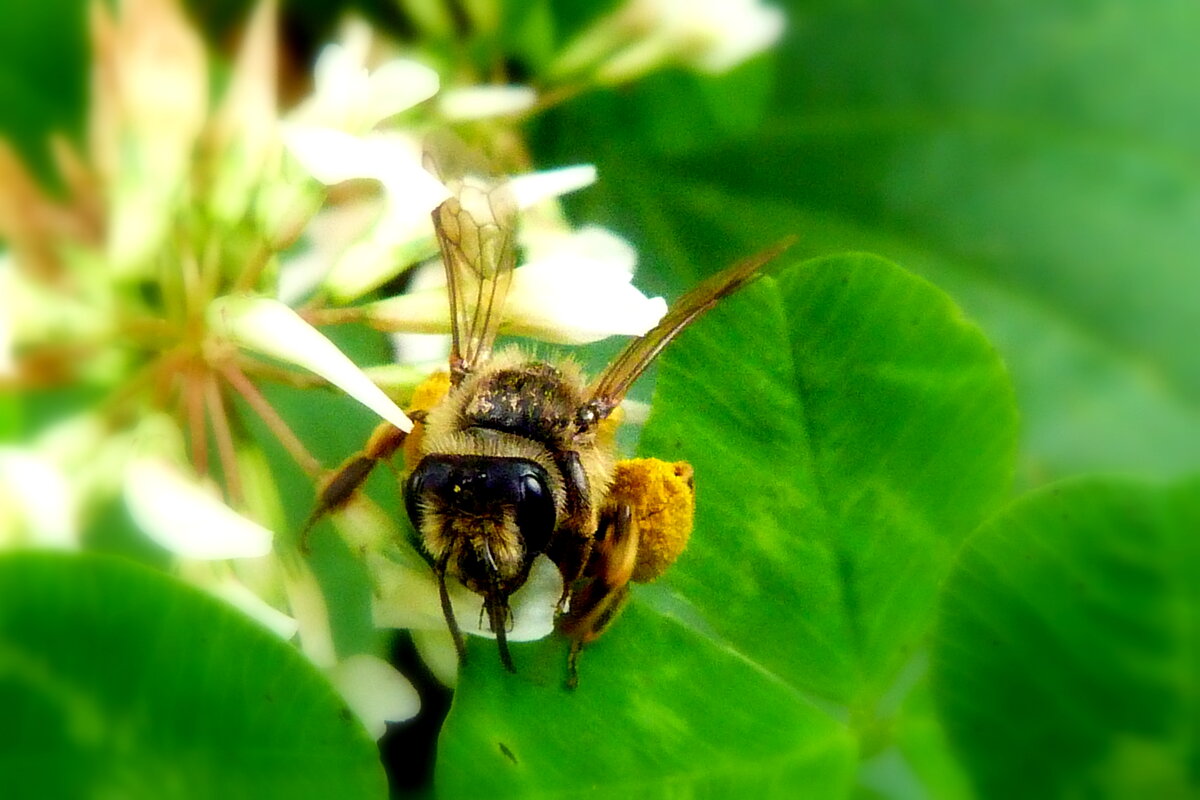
pixel 515 419
pixel 513 457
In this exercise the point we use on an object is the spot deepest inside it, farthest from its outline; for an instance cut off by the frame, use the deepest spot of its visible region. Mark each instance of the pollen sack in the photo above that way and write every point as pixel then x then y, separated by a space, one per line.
pixel 661 497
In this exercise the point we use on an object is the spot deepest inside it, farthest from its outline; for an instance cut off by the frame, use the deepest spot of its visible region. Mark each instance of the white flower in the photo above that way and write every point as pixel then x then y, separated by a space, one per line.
pixel 407 597
pixel 576 290
pixel 348 96
pixel 402 227
pixel 375 692
pixel 244 599
pixel 470 103
pixel 580 291
pixel 403 233
pixel 331 136
pixel 188 517
pixel 269 327
pixel 537 187
pixel 37 506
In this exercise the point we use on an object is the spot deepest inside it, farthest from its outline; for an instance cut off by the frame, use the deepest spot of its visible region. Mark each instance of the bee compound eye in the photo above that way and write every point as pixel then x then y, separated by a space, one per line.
pixel 412 493
pixel 429 476
pixel 535 508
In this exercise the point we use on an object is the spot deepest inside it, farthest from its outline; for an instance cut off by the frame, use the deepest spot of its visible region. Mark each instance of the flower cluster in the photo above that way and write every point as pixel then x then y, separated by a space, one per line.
pixel 194 245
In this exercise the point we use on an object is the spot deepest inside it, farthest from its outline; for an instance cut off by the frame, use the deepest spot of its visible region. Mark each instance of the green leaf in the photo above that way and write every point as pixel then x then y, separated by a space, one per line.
pixel 1065 661
pixel 847 428
pixel 665 710
pixel 1037 159
pixel 859 428
pixel 117 681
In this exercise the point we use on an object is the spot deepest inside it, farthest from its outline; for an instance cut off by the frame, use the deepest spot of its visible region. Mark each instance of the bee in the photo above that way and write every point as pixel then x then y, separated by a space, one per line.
pixel 512 457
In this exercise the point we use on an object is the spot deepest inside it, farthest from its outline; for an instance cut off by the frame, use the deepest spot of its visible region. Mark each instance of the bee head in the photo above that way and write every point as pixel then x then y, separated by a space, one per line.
pixel 486 517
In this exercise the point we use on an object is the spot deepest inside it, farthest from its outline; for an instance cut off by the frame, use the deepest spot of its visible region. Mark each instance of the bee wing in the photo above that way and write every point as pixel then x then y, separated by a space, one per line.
pixel 609 388
pixel 476 234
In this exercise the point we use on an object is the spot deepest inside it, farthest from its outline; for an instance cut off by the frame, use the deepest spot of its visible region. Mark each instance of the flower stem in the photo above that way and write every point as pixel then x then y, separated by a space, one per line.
pixel 254 398
pixel 224 436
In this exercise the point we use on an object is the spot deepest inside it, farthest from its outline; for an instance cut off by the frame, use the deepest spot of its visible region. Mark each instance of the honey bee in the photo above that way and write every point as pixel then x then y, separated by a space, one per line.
pixel 512 457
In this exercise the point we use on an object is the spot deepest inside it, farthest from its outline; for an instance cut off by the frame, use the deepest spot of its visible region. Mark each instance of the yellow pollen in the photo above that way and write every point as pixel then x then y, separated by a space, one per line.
pixel 663 501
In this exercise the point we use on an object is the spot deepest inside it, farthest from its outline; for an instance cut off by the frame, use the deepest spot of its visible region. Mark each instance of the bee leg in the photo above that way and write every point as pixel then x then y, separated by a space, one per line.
pixel 571 562
pixel 460 646
pixel 340 486
pixel 601 599
pixel 575 546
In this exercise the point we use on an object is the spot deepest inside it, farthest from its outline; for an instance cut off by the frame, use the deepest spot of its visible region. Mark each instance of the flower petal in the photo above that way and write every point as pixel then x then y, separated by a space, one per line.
pixel 436 649
pixel 531 189
pixel 577 307
pixel 396 86
pixel 269 327
pixel 470 103
pixel 238 595
pixel 407 597
pixel 424 348
pixel 736 33
pixel 375 692
pixel 349 97
pixel 533 605
pixel 35 488
pixel 245 126
pixel 152 77
pixel 575 290
pixel 186 517
pixel 331 156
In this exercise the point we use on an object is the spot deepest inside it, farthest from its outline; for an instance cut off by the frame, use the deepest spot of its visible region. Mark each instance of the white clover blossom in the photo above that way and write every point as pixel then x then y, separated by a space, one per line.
pixel 333 136
pixel 409 599
pixel 235 592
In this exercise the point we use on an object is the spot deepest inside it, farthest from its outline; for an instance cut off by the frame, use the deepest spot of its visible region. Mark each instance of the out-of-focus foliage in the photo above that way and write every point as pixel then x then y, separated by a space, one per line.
pixel 840 625
pixel 120 682
pixel 1065 660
